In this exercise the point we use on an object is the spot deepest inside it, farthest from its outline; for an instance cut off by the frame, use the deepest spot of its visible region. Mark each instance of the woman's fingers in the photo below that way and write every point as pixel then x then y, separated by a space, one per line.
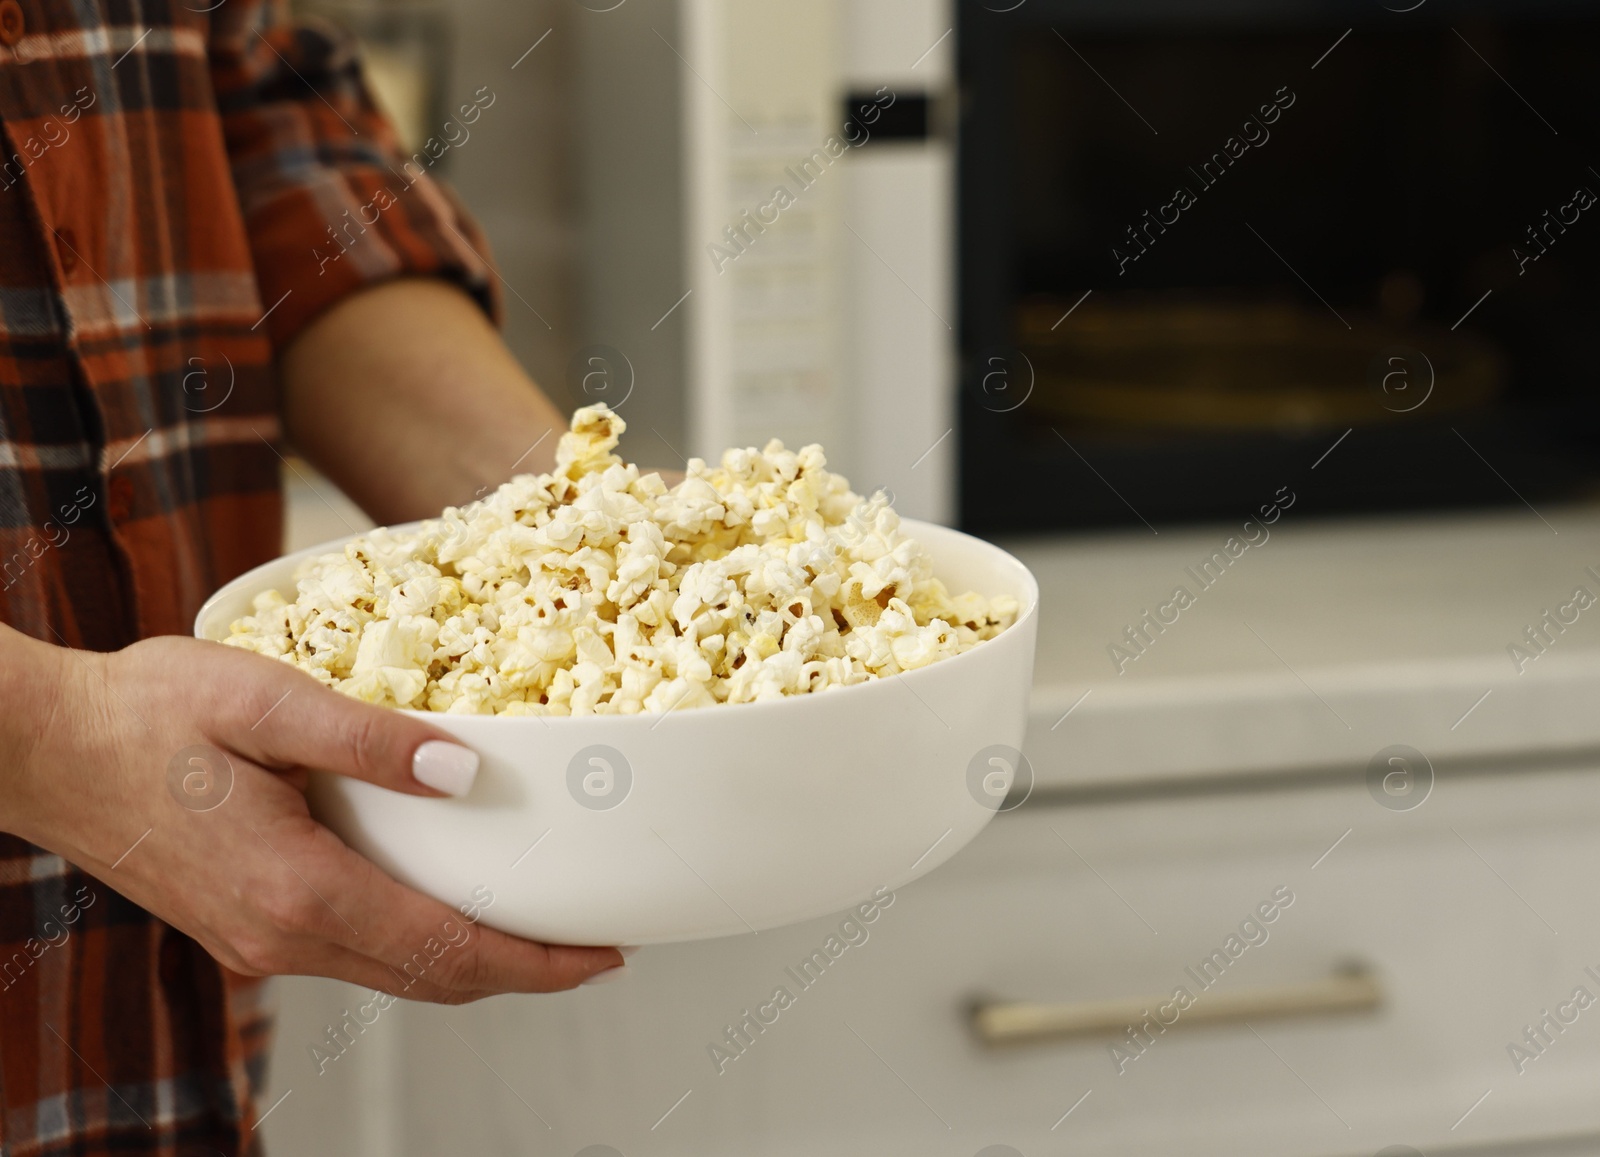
pixel 251 875
pixel 284 718
pixel 320 958
pixel 351 902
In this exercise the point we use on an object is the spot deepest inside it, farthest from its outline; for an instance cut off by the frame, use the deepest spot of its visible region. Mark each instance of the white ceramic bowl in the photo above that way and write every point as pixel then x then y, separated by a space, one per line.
pixel 640 829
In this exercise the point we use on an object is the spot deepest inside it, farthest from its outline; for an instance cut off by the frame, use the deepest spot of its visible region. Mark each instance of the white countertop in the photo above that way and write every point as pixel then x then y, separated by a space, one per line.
pixel 1318 647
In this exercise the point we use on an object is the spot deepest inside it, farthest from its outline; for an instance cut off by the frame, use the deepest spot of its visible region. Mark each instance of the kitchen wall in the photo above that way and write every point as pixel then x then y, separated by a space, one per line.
pixel 519 173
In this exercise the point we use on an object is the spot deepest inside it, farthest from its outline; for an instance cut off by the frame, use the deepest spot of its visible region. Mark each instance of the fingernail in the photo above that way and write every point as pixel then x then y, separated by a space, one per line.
pixel 614 973
pixel 446 767
pixel 627 950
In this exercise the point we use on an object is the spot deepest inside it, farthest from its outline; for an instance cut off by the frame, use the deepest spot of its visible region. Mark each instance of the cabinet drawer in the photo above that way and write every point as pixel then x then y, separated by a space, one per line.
pixel 1473 914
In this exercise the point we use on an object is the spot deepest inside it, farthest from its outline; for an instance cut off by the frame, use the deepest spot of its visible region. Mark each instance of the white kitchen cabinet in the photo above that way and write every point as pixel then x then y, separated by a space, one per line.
pixel 1476 911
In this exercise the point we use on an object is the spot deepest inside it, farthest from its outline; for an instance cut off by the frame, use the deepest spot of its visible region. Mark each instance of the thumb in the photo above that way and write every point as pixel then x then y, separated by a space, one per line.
pixel 285 718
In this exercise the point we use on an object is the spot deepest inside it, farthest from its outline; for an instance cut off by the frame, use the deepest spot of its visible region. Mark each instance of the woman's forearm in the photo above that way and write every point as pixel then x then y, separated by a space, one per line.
pixel 408 399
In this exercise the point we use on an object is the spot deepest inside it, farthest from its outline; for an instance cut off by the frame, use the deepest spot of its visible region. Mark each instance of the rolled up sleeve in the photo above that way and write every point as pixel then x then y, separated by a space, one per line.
pixel 330 200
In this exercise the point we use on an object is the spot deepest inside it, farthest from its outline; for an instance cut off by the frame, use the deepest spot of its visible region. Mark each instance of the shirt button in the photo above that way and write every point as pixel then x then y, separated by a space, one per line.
pixel 119 498
pixel 66 246
pixel 12 24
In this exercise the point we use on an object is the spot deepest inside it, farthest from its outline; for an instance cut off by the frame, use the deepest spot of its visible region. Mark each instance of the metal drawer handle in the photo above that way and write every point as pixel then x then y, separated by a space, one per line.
pixel 1351 989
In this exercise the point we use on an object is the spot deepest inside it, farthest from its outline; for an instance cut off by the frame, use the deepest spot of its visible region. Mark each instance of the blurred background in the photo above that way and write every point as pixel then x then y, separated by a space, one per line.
pixel 1121 283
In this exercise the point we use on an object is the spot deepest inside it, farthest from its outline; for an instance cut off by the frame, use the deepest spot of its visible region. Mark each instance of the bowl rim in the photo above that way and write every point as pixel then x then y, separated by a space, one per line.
pixel 916 529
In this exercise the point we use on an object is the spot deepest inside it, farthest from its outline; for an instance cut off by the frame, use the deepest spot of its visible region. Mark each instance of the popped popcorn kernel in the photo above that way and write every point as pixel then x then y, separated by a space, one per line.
pixel 596 590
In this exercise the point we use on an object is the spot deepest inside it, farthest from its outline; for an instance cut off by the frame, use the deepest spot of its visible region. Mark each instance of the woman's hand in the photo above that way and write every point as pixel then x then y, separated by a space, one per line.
pixel 260 884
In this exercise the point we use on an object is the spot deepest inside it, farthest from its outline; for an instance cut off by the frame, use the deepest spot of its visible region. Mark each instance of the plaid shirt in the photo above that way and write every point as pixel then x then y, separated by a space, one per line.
pixel 183 187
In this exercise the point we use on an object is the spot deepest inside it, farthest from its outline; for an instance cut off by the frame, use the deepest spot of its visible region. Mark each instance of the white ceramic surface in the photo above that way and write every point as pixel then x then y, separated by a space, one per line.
pixel 737 818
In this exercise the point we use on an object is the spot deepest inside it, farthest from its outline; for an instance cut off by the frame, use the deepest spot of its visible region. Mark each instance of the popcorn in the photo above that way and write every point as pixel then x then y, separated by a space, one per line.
pixel 597 590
